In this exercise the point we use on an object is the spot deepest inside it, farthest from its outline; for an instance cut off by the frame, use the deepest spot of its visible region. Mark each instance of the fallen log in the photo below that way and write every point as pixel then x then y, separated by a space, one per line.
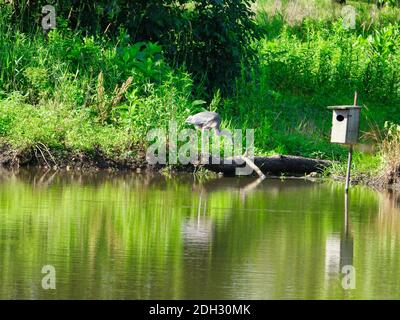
pixel 274 165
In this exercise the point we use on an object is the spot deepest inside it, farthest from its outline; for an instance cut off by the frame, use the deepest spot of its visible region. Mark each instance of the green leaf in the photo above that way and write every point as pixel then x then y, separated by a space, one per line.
pixel 198 102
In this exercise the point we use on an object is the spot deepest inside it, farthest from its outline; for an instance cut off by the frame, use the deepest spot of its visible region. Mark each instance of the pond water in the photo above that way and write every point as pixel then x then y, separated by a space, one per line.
pixel 129 236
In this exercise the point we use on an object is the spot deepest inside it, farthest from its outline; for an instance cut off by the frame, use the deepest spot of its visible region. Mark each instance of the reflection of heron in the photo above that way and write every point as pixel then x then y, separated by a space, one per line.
pixel 199 230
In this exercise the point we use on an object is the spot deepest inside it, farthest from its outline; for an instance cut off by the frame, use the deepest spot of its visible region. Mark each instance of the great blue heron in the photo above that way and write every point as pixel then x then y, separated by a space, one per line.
pixel 211 120
pixel 206 120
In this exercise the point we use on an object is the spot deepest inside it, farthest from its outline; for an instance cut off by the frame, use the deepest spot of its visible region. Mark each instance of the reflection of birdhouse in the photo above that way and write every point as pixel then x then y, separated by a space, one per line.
pixel 332 254
pixel 345 124
pixel 338 252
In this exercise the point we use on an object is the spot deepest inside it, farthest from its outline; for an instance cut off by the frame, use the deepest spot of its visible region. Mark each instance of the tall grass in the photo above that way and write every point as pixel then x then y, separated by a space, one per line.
pixel 390 151
pixel 316 56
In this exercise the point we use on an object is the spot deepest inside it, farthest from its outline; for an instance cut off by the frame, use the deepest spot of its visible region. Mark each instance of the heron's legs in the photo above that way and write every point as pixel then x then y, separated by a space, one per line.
pixel 200 207
pixel 199 212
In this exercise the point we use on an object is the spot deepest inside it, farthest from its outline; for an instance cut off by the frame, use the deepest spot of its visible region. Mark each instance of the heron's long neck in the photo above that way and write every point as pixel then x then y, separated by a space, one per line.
pixel 226 134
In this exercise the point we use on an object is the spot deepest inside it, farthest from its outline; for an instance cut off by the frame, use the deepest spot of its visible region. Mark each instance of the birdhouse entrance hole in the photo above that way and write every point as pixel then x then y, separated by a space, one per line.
pixel 340 118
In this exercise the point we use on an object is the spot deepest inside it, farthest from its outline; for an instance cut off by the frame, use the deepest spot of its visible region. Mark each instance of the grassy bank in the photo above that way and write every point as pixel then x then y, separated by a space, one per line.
pixel 307 56
pixel 91 94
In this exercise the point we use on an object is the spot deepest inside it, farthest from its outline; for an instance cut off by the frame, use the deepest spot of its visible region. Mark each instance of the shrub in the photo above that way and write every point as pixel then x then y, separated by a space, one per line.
pixel 209 37
pixel 390 151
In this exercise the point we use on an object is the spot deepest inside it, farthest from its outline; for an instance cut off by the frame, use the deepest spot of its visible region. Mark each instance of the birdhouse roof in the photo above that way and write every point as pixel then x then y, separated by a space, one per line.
pixel 344 107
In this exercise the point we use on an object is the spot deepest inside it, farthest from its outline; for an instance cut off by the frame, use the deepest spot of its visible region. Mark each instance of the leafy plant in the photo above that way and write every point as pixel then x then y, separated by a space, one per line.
pixel 209 37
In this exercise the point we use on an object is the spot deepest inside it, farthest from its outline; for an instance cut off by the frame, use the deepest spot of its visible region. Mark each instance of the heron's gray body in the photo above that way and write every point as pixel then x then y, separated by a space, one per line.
pixel 205 120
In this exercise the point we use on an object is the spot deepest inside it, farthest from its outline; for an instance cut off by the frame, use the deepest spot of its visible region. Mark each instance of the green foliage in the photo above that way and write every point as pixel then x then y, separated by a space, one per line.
pixel 389 152
pixel 112 85
pixel 209 37
pixel 80 92
pixel 365 167
pixel 334 60
pixel 393 3
pixel 308 63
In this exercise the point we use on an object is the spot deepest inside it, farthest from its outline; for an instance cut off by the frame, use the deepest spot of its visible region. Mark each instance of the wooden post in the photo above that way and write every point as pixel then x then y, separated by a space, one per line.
pixel 350 158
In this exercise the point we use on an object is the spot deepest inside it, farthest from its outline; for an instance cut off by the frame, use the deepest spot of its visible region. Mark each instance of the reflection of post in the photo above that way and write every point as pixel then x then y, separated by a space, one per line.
pixel 346 241
pixel 346 250
pixel 339 248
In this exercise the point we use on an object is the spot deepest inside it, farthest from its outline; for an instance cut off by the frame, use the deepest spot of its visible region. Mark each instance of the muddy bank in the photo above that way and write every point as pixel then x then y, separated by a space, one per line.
pixel 378 182
pixel 41 156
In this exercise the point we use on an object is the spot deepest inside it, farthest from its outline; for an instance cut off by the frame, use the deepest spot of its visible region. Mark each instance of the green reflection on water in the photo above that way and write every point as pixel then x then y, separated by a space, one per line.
pixel 128 236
